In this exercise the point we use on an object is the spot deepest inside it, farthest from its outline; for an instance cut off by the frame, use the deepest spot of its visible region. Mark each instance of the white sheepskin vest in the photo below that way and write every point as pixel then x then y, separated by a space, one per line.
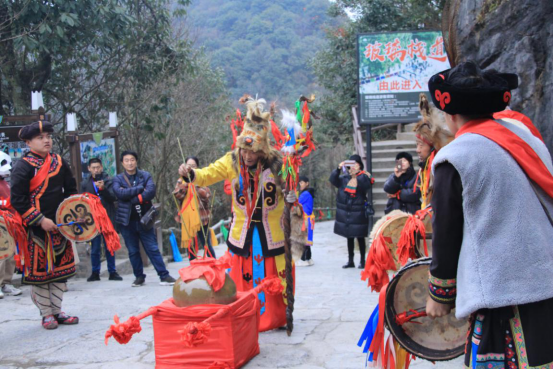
pixel 507 251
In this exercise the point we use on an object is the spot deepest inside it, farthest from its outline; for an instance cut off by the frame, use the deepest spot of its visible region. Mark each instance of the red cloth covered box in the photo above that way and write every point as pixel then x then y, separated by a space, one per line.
pixel 233 338
pixel 202 336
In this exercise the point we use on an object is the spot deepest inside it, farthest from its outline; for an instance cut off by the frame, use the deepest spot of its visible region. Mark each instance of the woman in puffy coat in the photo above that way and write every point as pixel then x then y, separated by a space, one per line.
pixel 353 183
pixel 400 186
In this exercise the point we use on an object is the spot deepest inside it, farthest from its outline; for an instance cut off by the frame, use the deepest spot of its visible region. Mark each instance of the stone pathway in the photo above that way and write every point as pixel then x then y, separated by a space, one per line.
pixel 332 307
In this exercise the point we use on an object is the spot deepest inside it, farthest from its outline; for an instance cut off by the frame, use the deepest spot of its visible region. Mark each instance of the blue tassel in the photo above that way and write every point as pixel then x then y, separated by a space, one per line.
pixel 241 180
pixel 292 134
pixel 258 268
pixel 176 253
pixel 368 334
pixel 473 353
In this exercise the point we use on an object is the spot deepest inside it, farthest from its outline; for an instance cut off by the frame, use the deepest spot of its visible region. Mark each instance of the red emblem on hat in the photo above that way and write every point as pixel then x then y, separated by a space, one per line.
pixel 507 97
pixel 443 98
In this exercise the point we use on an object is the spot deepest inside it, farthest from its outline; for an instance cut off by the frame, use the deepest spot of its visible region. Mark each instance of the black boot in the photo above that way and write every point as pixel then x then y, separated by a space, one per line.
pixel 362 248
pixel 95 276
pixel 350 263
pixel 115 277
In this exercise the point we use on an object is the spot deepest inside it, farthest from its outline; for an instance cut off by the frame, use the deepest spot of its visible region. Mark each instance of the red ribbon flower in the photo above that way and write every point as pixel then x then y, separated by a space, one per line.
pixel 123 332
pixel 211 269
pixel 194 334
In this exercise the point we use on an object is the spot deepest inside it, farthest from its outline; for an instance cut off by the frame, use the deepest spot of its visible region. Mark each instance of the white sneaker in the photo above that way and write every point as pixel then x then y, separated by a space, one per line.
pixel 310 262
pixel 10 290
pixel 302 263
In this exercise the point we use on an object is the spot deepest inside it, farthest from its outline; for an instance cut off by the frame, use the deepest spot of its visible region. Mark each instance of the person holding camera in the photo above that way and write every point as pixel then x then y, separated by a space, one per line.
pixel 353 183
pixel 98 183
pixel 400 186
pixel 135 190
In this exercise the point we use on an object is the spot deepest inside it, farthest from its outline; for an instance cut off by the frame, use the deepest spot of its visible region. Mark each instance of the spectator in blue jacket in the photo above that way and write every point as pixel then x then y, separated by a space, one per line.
pixel 400 186
pixel 305 199
pixel 135 190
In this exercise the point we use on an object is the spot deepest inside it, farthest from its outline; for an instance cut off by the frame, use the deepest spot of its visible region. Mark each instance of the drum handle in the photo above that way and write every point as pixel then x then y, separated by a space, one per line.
pixel 408 316
pixel 77 222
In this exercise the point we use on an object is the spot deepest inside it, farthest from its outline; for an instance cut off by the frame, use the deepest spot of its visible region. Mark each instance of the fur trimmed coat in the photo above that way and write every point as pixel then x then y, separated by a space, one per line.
pixel 271 202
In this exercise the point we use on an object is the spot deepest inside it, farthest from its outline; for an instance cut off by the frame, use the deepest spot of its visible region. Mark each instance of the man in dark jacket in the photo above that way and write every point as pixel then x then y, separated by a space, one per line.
pixel 400 186
pixel 98 183
pixel 135 190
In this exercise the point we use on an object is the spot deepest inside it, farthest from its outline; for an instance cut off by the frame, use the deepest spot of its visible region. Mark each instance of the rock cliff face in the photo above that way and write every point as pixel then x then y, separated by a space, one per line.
pixel 513 36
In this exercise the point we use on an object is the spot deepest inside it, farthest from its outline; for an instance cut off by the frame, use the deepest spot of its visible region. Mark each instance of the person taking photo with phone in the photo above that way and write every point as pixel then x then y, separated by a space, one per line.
pixel 100 184
pixel 353 184
pixel 400 186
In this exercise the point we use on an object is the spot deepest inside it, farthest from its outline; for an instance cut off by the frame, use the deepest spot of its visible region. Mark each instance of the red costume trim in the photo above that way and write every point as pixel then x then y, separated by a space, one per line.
pixel 523 153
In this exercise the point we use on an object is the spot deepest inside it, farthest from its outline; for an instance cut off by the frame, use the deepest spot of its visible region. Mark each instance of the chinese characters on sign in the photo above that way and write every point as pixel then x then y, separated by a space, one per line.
pixel 393 50
pixel 400 64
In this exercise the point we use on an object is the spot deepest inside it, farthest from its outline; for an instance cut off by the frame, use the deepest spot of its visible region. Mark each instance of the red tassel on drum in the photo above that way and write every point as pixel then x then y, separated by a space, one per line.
pixel 14 224
pixel 377 344
pixel 407 240
pixel 389 354
pixel 103 222
pixel 379 261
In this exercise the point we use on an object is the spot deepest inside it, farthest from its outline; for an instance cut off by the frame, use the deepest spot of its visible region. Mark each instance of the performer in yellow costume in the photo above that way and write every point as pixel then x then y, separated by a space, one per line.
pixel 256 237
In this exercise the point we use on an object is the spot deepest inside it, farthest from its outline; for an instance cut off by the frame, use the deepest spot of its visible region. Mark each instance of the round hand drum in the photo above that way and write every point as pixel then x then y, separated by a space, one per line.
pixel 73 209
pixel 390 226
pixel 7 243
pixel 435 340
pixel 419 249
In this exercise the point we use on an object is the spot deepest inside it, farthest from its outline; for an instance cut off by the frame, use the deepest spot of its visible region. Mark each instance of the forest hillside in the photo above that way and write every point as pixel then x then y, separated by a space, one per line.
pixel 264 47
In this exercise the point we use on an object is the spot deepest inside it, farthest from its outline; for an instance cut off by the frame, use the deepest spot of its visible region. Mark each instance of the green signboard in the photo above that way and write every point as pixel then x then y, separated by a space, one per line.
pixel 394 68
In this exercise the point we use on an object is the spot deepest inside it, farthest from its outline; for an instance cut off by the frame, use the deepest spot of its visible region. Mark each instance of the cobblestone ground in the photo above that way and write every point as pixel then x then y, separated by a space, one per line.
pixel 332 307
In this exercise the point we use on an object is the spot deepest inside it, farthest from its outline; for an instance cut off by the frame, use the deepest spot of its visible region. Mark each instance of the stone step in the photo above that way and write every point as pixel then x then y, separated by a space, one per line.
pixel 393 144
pixel 384 163
pixel 380 174
pixel 391 153
pixel 406 136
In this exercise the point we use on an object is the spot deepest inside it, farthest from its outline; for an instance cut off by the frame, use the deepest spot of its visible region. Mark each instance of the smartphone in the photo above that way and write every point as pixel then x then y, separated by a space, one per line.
pixel 349 163
pixel 399 164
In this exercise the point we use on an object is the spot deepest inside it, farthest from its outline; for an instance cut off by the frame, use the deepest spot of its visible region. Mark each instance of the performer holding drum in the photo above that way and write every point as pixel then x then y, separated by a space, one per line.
pixel 493 199
pixel 7 261
pixel 40 182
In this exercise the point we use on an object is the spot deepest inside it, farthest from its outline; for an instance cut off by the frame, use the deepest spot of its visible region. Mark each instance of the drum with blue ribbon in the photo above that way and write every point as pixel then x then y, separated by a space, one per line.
pixel 75 219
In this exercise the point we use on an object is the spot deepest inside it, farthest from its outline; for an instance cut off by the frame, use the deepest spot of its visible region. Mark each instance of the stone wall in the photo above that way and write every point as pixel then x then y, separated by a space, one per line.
pixel 513 36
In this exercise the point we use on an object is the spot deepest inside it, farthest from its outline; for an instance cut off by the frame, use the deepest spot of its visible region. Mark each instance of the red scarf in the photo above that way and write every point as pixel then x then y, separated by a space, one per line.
pixel 524 155
pixel 42 174
pixel 351 187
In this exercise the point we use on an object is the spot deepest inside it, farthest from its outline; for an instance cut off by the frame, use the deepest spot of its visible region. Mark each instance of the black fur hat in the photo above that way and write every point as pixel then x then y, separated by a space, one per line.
pixel 358 160
pixel 34 129
pixel 468 90
pixel 405 155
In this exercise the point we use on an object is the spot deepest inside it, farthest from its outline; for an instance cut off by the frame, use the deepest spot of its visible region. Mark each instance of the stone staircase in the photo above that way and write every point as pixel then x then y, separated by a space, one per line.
pixel 383 161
